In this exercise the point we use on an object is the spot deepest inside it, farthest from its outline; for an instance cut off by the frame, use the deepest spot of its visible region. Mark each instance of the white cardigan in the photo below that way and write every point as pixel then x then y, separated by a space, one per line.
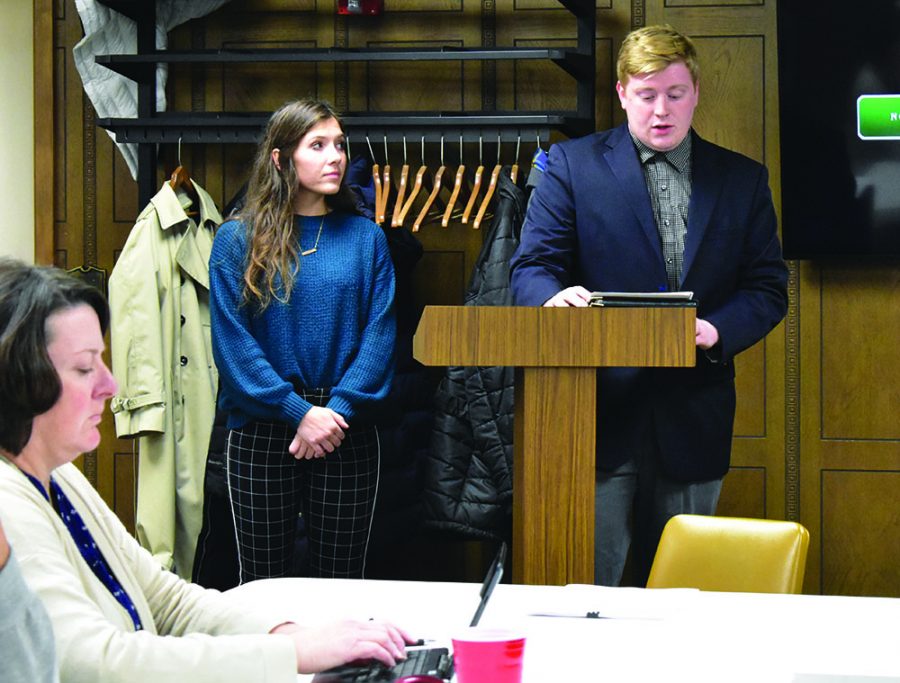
pixel 95 637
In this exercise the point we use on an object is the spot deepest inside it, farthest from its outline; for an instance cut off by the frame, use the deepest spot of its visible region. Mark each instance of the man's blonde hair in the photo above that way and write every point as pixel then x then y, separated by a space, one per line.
pixel 651 49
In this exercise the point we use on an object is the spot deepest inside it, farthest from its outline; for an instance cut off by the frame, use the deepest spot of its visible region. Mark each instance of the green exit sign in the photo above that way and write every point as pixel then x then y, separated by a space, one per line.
pixel 878 117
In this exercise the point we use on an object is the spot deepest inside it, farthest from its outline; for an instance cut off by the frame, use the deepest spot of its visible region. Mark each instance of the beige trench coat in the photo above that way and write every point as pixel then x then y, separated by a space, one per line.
pixel 162 360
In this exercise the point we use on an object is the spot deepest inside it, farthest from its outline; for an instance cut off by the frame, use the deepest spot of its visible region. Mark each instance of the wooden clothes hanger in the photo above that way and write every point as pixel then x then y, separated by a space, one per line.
pixel 376 179
pixel 476 187
pixel 181 178
pixel 385 191
pixel 457 185
pixel 397 216
pixel 434 191
pixel 514 170
pixel 381 206
pixel 431 197
pixel 489 193
pixel 417 187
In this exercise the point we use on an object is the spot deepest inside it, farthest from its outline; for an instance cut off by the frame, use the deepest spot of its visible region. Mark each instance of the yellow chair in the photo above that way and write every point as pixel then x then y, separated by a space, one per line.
pixel 730 554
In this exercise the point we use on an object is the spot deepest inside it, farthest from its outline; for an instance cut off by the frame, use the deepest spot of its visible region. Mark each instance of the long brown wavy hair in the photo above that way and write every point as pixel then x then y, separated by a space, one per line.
pixel 269 212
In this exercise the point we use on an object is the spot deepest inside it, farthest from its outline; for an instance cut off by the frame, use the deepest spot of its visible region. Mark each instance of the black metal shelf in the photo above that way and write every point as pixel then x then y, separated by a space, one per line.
pixel 141 67
pixel 150 128
pixel 172 127
pixel 135 9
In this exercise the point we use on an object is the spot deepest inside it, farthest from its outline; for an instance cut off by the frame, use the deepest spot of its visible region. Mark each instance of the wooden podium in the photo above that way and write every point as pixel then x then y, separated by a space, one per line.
pixel 556 352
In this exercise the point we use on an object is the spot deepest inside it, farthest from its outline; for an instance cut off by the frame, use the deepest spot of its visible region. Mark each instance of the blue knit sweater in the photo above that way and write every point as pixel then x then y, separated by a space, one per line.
pixel 337 331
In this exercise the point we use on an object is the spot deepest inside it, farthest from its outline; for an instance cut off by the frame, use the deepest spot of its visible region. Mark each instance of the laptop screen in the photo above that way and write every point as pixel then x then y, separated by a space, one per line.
pixel 494 574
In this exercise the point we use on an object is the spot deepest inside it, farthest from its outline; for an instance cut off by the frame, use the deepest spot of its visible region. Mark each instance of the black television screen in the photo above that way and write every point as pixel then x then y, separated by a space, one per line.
pixel 839 89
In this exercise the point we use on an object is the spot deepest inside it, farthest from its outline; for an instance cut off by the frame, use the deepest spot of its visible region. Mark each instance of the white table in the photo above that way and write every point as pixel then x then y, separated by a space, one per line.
pixel 650 635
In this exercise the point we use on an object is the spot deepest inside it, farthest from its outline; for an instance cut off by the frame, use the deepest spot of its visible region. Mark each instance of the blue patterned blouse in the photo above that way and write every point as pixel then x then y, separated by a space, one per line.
pixel 86 545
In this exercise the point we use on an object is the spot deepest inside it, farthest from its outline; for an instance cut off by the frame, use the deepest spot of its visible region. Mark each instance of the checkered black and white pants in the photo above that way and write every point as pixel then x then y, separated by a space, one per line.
pixel 268 487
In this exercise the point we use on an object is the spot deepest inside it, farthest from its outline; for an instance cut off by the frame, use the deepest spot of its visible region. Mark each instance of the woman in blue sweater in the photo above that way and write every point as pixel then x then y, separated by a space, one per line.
pixel 303 330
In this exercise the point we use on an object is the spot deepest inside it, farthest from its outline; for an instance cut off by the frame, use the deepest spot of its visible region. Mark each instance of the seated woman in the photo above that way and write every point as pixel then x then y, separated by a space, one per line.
pixel 117 616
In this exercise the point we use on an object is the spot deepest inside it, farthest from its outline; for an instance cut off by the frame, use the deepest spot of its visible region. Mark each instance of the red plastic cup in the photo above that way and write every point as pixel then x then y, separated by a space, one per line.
pixel 488 655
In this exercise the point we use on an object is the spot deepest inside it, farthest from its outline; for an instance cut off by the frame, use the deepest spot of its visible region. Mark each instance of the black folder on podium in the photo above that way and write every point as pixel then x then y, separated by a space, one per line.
pixel 642 299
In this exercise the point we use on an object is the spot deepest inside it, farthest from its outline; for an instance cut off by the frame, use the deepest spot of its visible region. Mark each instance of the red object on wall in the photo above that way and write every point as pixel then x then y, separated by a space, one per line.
pixel 370 7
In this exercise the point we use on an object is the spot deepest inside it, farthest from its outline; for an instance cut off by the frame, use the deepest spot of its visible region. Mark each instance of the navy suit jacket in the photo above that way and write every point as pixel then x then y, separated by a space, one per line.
pixel 590 223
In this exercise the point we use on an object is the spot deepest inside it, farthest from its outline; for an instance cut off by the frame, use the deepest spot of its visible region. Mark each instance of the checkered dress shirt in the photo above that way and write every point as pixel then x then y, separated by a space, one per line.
pixel 668 176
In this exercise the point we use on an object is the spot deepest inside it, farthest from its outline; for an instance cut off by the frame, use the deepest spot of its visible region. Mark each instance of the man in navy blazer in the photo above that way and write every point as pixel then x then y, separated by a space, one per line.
pixel 650 206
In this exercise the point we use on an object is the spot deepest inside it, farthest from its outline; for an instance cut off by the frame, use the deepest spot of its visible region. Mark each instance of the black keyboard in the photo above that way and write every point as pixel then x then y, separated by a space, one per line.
pixel 434 661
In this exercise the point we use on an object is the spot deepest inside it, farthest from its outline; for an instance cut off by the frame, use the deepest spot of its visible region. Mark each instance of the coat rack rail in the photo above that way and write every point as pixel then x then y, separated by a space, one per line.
pixel 231 128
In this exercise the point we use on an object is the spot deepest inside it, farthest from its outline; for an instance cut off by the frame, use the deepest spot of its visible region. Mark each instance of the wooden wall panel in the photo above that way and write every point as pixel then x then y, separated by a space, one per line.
pixel 45 176
pixel 392 6
pixel 417 86
pixel 441 277
pixel 69 150
pixel 116 201
pixel 265 87
pixel 60 130
pixel 731 112
pixel 860 331
pixel 750 416
pixel 124 194
pixel 859 542
pixel 230 168
pixel 849 437
pixel 539 86
pixel 744 493
pixel 124 475
pixel 251 7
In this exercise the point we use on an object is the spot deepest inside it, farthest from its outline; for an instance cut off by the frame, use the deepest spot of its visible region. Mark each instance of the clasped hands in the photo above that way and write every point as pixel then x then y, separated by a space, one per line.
pixel 706 334
pixel 320 431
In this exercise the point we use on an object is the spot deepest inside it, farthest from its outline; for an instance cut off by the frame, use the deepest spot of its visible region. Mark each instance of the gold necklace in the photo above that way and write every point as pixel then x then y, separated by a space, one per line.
pixel 316 245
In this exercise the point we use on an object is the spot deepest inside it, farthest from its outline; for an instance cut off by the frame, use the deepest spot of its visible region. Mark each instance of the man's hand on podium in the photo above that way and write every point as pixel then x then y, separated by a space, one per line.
pixel 570 296
pixel 707 334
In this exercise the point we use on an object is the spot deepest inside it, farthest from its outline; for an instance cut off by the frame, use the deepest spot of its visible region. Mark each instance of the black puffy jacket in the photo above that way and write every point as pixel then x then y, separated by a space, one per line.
pixel 468 473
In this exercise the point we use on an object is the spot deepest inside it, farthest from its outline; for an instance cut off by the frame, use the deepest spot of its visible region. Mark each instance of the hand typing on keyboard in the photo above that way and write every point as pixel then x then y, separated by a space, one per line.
pixel 326 646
